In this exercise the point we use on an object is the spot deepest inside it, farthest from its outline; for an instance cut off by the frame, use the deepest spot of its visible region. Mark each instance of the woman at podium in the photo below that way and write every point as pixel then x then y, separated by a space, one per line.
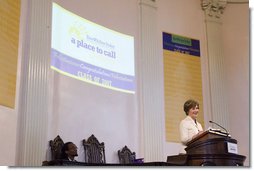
pixel 189 126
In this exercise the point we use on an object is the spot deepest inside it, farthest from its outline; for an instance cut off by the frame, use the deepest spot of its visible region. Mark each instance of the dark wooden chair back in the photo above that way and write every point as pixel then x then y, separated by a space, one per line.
pixel 56 147
pixel 126 156
pixel 93 150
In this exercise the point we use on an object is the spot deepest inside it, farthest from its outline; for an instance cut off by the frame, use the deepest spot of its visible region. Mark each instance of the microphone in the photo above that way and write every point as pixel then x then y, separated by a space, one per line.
pixel 220 127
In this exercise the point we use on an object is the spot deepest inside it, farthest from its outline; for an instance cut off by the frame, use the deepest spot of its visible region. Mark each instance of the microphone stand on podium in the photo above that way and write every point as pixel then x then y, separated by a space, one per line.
pixel 213 147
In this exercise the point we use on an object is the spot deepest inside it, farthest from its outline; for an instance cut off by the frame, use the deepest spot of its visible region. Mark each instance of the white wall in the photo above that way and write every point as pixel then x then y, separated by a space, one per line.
pixel 9 116
pixel 81 109
pixel 183 18
pixel 236 48
pixel 187 18
pixel 116 121
pixel 8 120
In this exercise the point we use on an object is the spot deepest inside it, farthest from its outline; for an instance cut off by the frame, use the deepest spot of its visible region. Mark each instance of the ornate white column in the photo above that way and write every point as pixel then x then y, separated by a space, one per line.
pixel 34 86
pixel 218 95
pixel 151 83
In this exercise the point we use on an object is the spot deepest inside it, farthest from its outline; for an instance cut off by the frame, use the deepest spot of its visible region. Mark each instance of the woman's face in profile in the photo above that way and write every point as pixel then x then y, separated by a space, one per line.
pixel 193 112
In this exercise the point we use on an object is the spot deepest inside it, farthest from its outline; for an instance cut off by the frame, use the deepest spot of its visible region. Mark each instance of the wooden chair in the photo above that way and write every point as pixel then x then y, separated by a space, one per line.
pixel 56 147
pixel 126 156
pixel 56 151
pixel 93 150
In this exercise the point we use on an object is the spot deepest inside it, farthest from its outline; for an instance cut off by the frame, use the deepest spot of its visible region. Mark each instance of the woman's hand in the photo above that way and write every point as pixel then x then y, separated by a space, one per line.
pixel 199 132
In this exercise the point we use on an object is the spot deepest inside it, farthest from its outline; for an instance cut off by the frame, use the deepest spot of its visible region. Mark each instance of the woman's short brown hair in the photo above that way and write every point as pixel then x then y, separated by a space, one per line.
pixel 189 104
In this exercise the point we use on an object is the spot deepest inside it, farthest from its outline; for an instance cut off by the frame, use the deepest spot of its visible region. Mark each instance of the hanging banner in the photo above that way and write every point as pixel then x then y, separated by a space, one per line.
pixel 182 80
pixel 181 44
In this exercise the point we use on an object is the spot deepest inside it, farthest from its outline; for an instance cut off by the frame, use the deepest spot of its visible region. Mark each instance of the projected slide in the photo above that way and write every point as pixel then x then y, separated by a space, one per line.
pixel 90 52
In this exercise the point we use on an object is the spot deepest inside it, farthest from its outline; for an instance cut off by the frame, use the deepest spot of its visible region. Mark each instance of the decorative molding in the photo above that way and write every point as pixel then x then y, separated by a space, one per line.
pixel 150 3
pixel 34 86
pixel 238 1
pixel 216 64
pixel 151 84
pixel 214 7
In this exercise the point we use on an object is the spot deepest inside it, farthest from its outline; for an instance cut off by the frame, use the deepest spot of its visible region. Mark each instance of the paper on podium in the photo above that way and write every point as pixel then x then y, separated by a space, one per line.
pixel 218 131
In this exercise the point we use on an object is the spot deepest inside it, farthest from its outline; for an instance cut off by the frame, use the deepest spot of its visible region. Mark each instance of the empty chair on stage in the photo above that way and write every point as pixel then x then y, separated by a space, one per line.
pixel 94 151
pixel 55 150
pixel 126 156
pixel 56 146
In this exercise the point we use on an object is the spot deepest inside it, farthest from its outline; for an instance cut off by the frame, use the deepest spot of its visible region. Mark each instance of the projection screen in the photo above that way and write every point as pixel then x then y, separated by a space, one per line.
pixel 90 52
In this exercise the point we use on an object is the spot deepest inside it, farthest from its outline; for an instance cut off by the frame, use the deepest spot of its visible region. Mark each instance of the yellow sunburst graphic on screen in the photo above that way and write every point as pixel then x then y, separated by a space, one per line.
pixel 77 31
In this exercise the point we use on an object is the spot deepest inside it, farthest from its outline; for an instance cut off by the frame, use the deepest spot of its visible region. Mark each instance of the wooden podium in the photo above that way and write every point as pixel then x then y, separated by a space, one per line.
pixel 211 148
